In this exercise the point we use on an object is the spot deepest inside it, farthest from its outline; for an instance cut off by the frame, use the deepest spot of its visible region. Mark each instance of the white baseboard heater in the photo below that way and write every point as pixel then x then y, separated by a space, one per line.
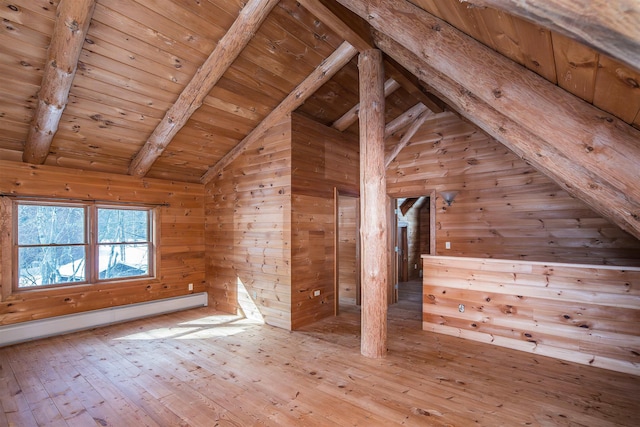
pixel 26 331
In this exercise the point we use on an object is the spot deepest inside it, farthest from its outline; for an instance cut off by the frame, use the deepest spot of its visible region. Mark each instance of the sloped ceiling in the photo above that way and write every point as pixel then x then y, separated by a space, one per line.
pixel 137 58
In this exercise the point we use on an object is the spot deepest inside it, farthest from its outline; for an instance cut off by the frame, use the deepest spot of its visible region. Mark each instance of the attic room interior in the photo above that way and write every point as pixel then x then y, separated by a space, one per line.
pixel 319 212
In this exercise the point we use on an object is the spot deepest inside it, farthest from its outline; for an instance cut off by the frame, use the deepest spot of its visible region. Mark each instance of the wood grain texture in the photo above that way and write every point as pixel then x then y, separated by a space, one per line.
pixel 180 240
pixel 579 313
pixel 586 141
pixel 192 368
pixel 611 28
pixel 373 214
pixel 322 159
pixel 248 230
pixel 72 21
pixel 348 241
pixel 305 89
pixel 578 173
pixel 504 208
pixel 191 98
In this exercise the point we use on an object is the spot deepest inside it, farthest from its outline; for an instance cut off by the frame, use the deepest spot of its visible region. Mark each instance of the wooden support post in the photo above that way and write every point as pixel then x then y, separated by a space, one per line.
pixel 351 116
pixel 373 216
pixel 592 154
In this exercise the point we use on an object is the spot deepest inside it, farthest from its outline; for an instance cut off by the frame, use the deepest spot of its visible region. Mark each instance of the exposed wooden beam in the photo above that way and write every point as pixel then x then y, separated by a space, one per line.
pixel 404 119
pixel 579 179
pixel 229 47
pixel 373 199
pixel 404 141
pixel 327 17
pixel 410 83
pixel 69 31
pixel 338 59
pixel 612 27
pixel 603 151
pixel 351 116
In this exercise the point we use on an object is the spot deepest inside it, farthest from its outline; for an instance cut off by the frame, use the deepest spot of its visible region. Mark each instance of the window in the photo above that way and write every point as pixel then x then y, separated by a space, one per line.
pixel 77 242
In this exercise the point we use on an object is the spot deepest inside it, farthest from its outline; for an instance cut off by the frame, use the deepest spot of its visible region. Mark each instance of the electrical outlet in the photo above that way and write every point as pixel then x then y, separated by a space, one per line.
pixel 190 286
pixel 447 245
pixel 316 293
pixel 461 308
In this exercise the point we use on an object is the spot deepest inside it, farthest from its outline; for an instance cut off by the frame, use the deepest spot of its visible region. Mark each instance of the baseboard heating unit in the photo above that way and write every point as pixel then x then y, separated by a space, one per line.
pixel 26 331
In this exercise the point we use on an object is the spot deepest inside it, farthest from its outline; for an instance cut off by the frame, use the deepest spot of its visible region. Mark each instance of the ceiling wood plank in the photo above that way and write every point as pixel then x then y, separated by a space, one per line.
pixel 70 29
pixel 609 27
pixel 191 98
pixel 351 116
pixel 335 23
pixel 406 138
pixel 602 150
pixel 317 78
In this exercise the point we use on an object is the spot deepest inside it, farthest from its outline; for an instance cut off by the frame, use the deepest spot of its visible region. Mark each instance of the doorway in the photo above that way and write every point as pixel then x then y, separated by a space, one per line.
pixel 414 237
pixel 347 251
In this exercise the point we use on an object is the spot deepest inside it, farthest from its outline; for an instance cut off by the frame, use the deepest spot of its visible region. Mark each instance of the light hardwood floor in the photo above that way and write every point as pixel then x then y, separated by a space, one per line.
pixel 202 368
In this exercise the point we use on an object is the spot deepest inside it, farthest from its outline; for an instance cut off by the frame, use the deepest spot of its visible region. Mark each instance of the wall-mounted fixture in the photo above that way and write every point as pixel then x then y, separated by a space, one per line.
pixel 448 196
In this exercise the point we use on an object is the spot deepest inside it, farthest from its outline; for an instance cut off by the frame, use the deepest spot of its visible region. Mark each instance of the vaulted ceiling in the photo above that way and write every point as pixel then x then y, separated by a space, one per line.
pixel 175 89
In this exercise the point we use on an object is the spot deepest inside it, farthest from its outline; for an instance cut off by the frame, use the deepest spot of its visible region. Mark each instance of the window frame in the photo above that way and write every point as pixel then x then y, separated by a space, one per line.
pixel 91 244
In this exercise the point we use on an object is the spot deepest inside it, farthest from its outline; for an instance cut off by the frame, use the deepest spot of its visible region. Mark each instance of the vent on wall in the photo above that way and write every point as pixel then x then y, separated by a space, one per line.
pixel 25 331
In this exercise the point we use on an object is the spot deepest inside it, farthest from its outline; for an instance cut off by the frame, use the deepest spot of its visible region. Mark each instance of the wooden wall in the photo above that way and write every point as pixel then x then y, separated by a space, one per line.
pixel 248 230
pixel 584 314
pixel 322 159
pixel 348 237
pixel 270 222
pixel 504 209
pixel 181 241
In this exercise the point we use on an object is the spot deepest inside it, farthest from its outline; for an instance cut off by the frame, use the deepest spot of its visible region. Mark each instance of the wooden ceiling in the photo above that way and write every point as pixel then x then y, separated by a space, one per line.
pixel 138 57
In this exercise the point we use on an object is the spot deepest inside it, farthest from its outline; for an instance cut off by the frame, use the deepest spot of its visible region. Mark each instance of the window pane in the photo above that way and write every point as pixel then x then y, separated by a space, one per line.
pixel 39 266
pixel 124 260
pixel 47 225
pixel 123 225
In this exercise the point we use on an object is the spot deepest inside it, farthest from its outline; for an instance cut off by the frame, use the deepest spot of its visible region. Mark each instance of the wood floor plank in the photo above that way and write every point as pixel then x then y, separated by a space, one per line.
pixel 203 368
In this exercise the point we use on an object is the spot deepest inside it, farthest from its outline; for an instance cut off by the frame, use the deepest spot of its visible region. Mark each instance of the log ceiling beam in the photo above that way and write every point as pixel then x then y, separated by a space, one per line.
pixel 225 53
pixel 404 119
pixel 611 27
pixel 323 73
pixel 351 116
pixel 590 153
pixel 406 138
pixel 70 29
pixel 410 83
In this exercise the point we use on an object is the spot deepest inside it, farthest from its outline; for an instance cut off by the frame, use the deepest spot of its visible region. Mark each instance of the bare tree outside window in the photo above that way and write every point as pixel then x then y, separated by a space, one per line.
pixel 55 245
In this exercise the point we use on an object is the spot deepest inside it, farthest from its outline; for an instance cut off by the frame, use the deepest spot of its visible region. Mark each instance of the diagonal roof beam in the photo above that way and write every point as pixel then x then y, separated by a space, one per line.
pixel 404 119
pixel 612 27
pixel 70 29
pixel 338 59
pixel 591 154
pixel 406 138
pixel 351 116
pixel 228 49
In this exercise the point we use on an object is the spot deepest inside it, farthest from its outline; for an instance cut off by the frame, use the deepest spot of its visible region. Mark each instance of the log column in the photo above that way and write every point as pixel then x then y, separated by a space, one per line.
pixel 373 212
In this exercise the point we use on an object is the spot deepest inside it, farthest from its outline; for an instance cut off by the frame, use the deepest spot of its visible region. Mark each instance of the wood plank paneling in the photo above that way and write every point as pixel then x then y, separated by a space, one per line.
pixel 180 241
pixel 581 313
pixel 322 159
pixel 504 208
pixel 348 237
pixel 248 230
